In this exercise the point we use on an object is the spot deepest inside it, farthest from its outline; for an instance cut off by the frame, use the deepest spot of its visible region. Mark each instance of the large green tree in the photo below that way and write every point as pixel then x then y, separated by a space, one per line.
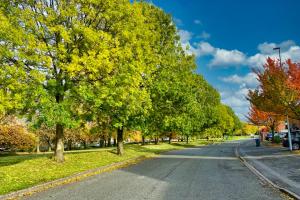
pixel 67 47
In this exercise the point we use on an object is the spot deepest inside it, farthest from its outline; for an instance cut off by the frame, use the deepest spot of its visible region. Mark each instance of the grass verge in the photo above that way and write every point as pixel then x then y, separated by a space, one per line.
pixel 23 171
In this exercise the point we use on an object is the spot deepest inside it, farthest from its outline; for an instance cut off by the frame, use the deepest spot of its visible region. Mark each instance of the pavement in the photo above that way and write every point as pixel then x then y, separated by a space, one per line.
pixel 208 173
pixel 275 163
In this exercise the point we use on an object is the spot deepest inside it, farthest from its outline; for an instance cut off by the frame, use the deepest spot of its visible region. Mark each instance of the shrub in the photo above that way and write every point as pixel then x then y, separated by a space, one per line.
pixel 16 138
pixel 277 139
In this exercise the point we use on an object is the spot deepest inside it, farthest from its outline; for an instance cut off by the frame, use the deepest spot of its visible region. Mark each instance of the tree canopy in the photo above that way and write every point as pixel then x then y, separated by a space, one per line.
pixel 113 63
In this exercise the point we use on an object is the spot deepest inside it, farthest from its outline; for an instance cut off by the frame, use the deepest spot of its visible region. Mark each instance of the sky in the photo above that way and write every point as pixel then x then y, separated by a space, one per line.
pixel 231 38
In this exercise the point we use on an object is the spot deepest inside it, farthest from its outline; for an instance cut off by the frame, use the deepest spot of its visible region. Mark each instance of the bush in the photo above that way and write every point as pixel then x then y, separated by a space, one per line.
pixel 16 138
pixel 277 139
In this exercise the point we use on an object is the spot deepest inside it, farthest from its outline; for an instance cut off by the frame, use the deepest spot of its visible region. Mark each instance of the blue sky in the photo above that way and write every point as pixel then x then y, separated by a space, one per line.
pixel 230 38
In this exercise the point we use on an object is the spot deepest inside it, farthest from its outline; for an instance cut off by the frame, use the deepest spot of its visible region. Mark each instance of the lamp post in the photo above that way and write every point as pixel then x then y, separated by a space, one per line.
pixel 275 49
pixel 287 116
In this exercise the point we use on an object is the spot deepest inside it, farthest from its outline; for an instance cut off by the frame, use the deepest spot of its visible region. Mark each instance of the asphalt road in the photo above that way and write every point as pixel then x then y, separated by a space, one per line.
pixel 211 172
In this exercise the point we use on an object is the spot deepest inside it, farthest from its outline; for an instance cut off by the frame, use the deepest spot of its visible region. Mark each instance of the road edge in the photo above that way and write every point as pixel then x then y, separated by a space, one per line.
pixel 71 179
pixel 262 177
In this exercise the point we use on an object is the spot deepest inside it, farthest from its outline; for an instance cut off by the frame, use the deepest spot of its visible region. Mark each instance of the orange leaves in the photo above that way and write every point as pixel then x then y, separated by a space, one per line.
pixel 293 75
pixel 279 89
pixel 256 116
pixel 261 118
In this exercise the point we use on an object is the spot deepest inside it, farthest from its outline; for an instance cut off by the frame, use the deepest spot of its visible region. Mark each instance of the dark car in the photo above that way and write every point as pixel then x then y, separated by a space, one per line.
pixel 295 135
pixel 269 136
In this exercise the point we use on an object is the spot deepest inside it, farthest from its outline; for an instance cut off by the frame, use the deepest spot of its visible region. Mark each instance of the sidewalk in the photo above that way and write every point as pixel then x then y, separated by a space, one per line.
pixel 276 163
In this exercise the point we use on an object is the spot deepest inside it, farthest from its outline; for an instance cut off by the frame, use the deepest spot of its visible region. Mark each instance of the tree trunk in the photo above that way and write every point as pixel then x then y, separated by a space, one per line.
pixel 109 142
pixel 120 147
pixel 273 133
pixel 143 140
pixel 84 144
pixel 109 139
pixel 115 142
pixel 69 145
pixel 156 140
pixel 49 147
pixel 59 144
pixel 38 145
pixel 101 142
pixel 187 139
pixel 170 138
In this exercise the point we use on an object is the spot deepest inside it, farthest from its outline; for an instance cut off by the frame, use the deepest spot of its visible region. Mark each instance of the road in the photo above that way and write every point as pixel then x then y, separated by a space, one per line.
pixel 211 172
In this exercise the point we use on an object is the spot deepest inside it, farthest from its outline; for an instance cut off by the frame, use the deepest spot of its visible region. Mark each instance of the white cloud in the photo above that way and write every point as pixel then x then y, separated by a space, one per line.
pixel 177 21
pixel 223 57
pixel 197 21
pixel 185 36
pixel 232 58
pixel 236 99
pixel 204 35
pixel 203 48
pixel 249 80
pixel 267 48
pixel 288 48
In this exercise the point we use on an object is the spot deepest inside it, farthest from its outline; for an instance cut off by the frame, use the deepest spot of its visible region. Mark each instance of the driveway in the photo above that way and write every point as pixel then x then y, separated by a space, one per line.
pixel 211 172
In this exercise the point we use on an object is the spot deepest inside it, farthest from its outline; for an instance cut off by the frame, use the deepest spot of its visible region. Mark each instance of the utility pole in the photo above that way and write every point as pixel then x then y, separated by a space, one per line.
pixel 287 116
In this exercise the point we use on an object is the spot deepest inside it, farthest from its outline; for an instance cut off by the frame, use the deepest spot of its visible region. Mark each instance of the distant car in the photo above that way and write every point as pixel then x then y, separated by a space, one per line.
pixel 4 149
pixel 269 136
pixel 295 135
pixel 282 135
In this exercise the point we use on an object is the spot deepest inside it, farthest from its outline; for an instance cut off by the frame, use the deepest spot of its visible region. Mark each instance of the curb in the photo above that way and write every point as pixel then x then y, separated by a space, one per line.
pixel 263 178
pixel 70 179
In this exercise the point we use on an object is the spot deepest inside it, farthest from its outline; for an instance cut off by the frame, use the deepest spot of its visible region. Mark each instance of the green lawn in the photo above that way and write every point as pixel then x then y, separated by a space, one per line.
pixel 238 137
pixel 22 171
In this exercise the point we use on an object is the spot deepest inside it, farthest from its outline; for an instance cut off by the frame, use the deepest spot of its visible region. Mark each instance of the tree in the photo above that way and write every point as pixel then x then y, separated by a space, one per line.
pixel 69 47
pixel 248 129
pixel 223 122
pixel 261 118
pixel 275 92
pixel 236 121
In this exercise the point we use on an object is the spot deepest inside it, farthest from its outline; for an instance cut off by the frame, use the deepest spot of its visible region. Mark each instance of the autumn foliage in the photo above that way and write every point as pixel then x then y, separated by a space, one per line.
pixel 260 118
pixel 16 137
pixel 278 92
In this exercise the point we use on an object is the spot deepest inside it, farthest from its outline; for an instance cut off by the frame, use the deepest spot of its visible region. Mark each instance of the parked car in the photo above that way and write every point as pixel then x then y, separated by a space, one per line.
pixel 269 136
pixel 282 135
pixel 4 149
pixel 295 135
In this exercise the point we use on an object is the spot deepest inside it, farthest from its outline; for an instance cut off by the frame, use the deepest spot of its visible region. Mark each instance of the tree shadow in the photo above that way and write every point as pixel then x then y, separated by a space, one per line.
pixel 12 159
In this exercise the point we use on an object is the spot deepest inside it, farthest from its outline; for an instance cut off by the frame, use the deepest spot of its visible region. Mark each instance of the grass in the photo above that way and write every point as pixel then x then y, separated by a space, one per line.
pixel 23 171
pixel 238 137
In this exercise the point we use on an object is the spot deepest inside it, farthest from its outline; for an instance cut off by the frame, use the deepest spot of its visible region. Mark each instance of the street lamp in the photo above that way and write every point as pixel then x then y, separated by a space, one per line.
pixel 287 116
pixel 275 49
